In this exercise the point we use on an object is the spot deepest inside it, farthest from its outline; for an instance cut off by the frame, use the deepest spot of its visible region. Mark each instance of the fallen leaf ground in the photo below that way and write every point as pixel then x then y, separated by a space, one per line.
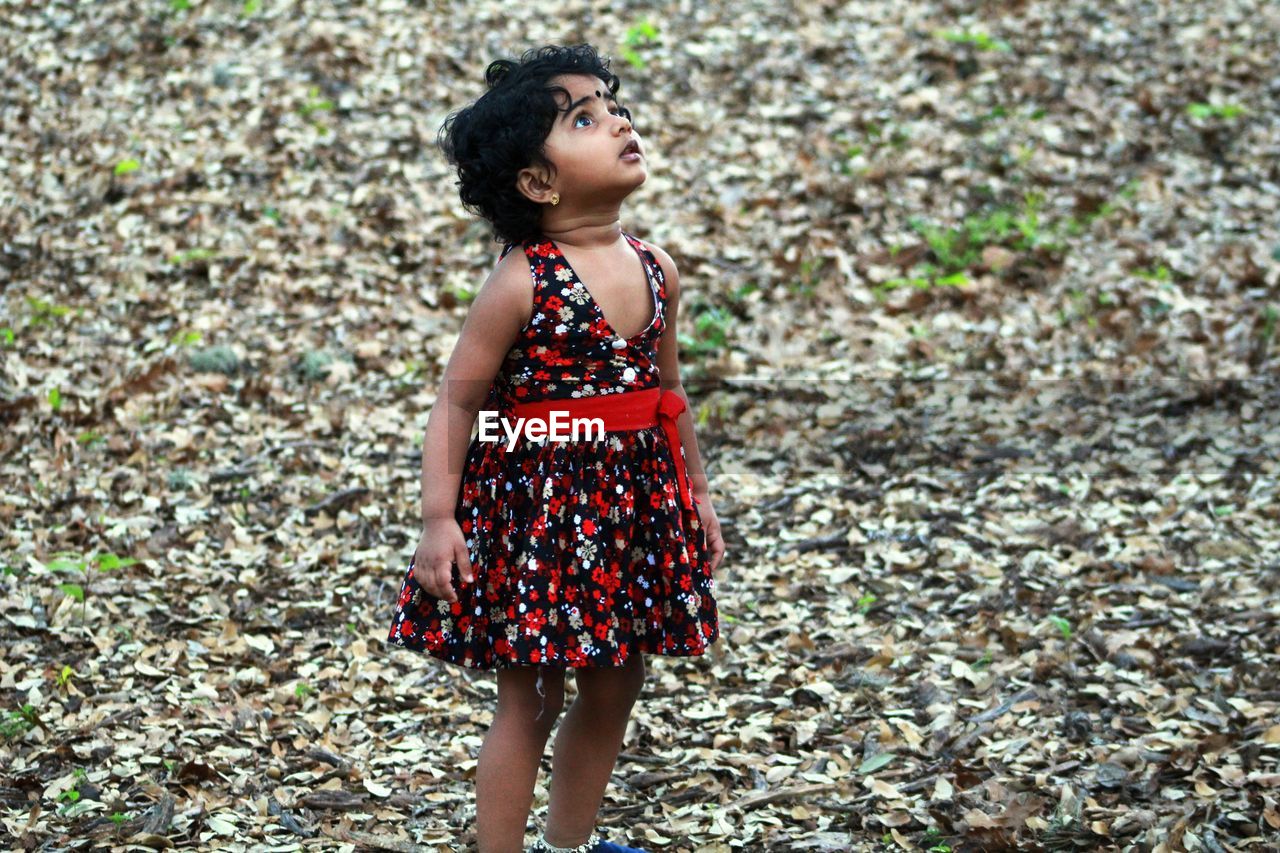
pixel 979 319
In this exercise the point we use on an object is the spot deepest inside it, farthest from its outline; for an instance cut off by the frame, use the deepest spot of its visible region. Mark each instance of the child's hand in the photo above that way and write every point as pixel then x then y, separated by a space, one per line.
pixel 441 546
pixel 711 524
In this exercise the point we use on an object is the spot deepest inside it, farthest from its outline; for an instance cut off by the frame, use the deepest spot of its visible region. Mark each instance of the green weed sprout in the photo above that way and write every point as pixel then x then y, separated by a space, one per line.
pixel 1063 626
pixel 67 561
pixel 636 35
pixel 17 723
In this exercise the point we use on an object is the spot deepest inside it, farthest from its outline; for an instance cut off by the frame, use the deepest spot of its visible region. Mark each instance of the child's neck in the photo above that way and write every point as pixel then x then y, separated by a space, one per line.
pixel 585 232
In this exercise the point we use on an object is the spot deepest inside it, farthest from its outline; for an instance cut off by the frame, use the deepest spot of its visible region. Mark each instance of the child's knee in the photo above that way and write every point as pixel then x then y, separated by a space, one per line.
pixel 535 696
pixel 612 685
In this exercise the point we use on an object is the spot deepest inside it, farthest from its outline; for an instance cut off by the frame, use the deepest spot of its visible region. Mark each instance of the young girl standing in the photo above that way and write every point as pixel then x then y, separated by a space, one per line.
pixel 540 555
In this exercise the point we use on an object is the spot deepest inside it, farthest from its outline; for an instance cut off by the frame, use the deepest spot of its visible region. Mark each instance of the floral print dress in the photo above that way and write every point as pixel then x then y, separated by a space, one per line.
pixel 582 551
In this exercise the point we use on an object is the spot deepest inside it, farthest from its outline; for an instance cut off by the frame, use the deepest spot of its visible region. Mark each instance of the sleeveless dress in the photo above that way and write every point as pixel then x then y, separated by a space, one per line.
pixel 582 551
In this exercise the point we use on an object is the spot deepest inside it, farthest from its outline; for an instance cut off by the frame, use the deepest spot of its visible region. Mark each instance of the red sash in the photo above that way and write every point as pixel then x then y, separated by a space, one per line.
pixel 630 410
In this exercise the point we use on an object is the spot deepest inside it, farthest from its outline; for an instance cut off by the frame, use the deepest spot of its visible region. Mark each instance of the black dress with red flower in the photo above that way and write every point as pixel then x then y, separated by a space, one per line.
pixel 582 551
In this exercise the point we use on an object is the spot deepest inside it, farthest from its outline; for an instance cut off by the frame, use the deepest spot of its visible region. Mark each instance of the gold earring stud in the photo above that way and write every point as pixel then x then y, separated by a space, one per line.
pixel 555 198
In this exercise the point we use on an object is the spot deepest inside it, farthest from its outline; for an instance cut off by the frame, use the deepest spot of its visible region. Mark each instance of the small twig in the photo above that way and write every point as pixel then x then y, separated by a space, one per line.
pixel 762 798
pixel 839 539
pixel 245 468
pixel 337 500
pixel 1003 708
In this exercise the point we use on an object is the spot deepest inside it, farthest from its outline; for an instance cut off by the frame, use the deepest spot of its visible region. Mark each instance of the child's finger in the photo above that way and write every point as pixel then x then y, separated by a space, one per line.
pixel 444 581
pixel 422 575
pixel 463 560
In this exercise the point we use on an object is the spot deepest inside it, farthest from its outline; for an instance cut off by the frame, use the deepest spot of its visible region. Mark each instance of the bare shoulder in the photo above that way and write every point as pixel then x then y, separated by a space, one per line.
pixel 669 271
pixel 511 276
pixel 510 285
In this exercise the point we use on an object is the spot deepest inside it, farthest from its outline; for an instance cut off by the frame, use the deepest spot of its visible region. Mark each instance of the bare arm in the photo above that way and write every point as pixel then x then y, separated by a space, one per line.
pixel 669 372
pixel 501 308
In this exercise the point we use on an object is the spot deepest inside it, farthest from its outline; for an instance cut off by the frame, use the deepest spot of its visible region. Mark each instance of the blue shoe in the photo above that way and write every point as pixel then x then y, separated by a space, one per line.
pixel 600 846
pixel 610 847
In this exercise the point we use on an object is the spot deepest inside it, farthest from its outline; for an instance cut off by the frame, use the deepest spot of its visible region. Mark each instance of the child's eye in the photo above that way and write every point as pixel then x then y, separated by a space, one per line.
pixel 587 115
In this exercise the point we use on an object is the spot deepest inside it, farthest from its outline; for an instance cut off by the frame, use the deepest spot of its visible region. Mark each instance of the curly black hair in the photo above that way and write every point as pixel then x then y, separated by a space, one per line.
pixel 506 129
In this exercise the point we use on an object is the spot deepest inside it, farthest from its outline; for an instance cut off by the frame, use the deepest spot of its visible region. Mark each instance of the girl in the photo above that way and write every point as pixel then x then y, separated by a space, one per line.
pixel 540 555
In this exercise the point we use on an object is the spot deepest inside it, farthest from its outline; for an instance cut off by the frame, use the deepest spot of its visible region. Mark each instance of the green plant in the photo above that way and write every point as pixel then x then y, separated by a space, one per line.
pixel 1200 110
pixel 1160 273
pixel 463 293
pixel 1063 626
pixel 219 359
pixel 314 364
pixel 809 276
pixel 68 561
pixel 43 313
pixel 55 399
pixel 315 104
pixel 875 138
pixel 864 603
pixel 981 41
pixel 411 376
pixel 711 330
pixel 1082 306
pixel 719 407
pixel 635 36
pixel 196 254
pixel 89 438
pixel 17 723
pixel 126 166
pixel 71 796
pixel 958 249
pixel 188 338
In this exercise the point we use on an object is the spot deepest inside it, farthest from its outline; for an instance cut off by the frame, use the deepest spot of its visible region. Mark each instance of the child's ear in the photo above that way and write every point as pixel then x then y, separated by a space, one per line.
pixel 534 184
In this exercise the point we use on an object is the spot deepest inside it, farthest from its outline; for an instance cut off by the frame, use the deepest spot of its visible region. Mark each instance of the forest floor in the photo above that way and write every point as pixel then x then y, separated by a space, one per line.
pixel 978 319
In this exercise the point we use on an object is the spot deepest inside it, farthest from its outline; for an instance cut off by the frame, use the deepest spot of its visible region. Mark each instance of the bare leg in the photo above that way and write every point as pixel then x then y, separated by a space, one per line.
pixel 507 768
pixel 587 745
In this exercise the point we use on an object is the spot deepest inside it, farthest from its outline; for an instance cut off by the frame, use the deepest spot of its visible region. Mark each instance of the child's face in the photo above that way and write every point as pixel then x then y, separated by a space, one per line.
pixel 586 144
